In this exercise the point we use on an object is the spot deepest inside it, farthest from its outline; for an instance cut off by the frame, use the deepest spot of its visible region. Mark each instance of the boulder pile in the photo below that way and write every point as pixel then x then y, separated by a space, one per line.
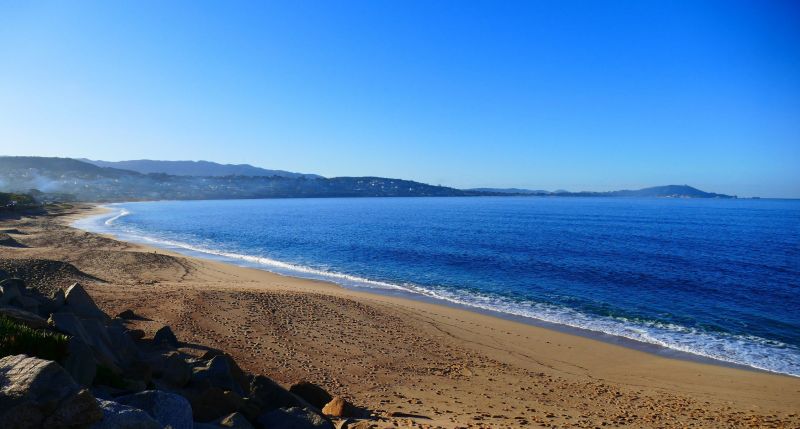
pixel 89 370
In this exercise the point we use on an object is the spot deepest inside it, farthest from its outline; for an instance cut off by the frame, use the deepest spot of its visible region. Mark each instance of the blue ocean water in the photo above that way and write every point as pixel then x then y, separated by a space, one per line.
pixel 716 278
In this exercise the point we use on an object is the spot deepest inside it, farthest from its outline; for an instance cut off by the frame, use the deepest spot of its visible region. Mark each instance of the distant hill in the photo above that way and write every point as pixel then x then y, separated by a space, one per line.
pixel 78 180
pixel 64 179
pixel 196 168
pixel 669 191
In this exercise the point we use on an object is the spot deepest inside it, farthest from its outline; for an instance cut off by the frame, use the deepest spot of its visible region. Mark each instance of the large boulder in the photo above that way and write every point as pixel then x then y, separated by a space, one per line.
pixel 221 371
pixel 26 318
pixel 68 323
pixel 27 303
pixel 10 290
pixel 174 370
pixel 235 421
pixel 167 408
pixel 118 416
pixel 53 304
pixel 165 336
pixel 123 345
pixel 77 410
pixel 338 407
pixel 78 301
pixel 80 363
pixel 213 403
pixel 312 393
pixel 294 418
pixel 39 393
pixel 269 395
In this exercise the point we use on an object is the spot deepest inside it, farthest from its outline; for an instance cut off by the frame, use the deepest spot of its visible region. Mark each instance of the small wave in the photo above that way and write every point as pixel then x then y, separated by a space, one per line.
pixel 122 213
pixel 750 351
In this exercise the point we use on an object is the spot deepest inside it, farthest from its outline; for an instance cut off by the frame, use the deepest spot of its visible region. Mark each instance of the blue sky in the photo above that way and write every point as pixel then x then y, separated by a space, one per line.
pixel 554 94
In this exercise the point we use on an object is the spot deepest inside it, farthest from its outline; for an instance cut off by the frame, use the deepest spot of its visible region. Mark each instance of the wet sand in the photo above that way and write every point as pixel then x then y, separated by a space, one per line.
pixel 415 363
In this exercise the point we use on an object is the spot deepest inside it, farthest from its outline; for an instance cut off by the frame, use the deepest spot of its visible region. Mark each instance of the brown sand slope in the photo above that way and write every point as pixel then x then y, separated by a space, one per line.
pixel 423 363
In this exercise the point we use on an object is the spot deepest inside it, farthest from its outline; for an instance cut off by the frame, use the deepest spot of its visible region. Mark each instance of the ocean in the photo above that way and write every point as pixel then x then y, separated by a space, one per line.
pixel 713 278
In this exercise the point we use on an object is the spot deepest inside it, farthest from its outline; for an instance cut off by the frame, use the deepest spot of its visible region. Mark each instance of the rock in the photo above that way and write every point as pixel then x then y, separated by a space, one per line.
pixel 211 354
pixel 19 283
pixel 58 298
pixel 175 370
pixel 54 304
pixel 123 345
pixel 101 343
pixel 214 403
pixel 118 416
pixel 165 336
pixel 136 334
pixel 294 418
pixel 40 393
pixel 140 370
pixel 26 318
pixel 80 409
pixel 166 408
pixel 127 315
pixel 338 407
pixel 27 303
pixel 221 371
pixel 79 302
pixel 235 421
pixel 9 291
pixel 269 395
pixel 68 323
pixel 80 363
pixel 312 393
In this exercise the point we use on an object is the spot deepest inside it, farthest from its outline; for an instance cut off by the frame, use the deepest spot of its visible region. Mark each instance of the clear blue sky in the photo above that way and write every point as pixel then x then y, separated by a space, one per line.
pixel 586 95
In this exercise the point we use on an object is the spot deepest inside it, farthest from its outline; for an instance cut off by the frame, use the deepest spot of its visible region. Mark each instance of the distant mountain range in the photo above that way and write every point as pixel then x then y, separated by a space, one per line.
pixel 668 191
pixel 196 168
pixel 72 179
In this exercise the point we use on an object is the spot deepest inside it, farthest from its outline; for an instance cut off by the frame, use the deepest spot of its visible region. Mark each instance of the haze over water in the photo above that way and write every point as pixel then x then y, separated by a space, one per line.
pixel 717 278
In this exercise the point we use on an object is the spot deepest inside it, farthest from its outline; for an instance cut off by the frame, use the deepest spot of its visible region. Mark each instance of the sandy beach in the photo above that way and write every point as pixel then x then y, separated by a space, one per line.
pixel 414 363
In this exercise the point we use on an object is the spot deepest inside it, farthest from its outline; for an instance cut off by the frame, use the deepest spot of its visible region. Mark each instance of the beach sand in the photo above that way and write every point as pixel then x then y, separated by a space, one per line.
pixel 416 363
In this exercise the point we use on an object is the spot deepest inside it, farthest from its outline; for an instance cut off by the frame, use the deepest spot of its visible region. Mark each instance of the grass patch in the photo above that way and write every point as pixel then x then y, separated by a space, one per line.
pixel 16 338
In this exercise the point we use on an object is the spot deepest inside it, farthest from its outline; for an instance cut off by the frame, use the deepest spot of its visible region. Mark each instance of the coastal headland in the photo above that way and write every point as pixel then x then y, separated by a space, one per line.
pixel 408 362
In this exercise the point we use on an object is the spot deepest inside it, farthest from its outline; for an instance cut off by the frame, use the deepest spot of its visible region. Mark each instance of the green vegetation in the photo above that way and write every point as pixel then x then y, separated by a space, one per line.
pixel 16 338
pixel 16 201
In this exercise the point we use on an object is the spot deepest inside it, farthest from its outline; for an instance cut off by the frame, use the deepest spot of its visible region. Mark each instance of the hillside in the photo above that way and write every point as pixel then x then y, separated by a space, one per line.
pixel 197 168
pixel 78 180
pixel 668 191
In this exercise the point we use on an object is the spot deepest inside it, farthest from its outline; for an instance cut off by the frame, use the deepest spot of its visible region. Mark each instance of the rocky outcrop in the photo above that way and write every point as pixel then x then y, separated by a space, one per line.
pixel 222 372
pixel 36 393
pixel 81 304
pixel 165 337
pixel 118 416
pixel 168 409
pixel 108 376
pixel 294 418
pixel 338 407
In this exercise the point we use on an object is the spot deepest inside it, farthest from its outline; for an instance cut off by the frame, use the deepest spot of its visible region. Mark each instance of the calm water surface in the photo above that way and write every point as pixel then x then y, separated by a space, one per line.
pixel 716 278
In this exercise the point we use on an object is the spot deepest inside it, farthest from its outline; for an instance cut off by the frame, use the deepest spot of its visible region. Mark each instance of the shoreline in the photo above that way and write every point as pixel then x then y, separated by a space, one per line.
pixel 426 364
pixel 101 210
